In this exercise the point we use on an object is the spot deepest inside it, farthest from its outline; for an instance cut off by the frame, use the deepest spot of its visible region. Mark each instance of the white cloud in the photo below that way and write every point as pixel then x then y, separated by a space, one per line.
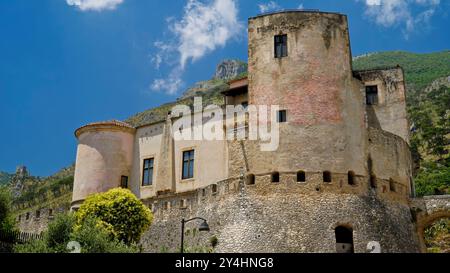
pixel 96 5
pixel 300 6
pixel 269 6
pixel 204 27
pixel 409 13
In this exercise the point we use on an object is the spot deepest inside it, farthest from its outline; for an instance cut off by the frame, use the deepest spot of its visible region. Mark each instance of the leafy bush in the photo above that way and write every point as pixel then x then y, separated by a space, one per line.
pixel 94 238
pixel 433 179
pixel 119 211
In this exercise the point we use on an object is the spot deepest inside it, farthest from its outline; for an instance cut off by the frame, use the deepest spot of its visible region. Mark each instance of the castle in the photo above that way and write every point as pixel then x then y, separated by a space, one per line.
pixel 340 178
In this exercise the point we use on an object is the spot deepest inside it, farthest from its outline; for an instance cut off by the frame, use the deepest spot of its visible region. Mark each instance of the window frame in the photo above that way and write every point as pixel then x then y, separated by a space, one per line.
pixel 280 46
pixel 282 116
pixel 151 167
pixel 190 164
pixel 122 178
pixel 372 92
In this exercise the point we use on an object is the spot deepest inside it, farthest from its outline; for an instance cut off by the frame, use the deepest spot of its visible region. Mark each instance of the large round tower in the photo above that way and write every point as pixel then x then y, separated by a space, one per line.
pixel 104 157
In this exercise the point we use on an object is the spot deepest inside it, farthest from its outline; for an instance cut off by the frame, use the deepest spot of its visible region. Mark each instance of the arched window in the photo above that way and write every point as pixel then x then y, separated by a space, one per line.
pixel 250 179
pixel 275 177
pixel 373 181
pixel 301 176
pixel 351 178
pixel 327 177
pixel 344 239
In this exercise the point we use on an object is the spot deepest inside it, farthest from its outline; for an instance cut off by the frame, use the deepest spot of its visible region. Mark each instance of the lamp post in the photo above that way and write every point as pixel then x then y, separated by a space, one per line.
pixel 203 227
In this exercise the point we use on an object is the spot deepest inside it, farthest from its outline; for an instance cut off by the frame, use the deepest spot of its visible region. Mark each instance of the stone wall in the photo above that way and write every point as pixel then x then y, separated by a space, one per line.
pixel 281 217
pixel 36 220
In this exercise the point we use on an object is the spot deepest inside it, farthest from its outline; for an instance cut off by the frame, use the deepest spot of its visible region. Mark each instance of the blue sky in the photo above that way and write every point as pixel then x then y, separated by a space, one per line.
pixel 65 63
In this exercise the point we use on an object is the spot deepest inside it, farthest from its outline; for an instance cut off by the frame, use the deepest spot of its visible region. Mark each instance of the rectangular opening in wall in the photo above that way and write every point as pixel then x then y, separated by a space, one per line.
pixel 147 173
pixel 124 182
pixel 188 164
pixel 281 46
pixel 282 116
pixel 371 95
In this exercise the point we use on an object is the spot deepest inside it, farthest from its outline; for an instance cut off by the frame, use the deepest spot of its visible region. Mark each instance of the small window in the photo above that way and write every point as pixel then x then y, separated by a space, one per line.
pixel 281 46
pixel 167 205
pixel 250 179
pixel 147 173
pixel 188 164
pixel 391 185
pixel 282 116
pixel 351 178
pixel 27 217
pixel 203 192
pixel 124 182
pixel 301 176
pixel 38 214
pixel 214 188
pixel 373 181
pixel 50 212
pixel 371 95
pixel 275 177
pixel 20 218
pixel 183 203
pixel 327 177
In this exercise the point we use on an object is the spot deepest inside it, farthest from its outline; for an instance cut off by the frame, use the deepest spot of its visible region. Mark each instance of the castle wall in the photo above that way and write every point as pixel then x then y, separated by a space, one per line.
pixel 103 156
pixel 391 159
pixel 326 127
pixel 390 112
pixel 155 141
pixel 283 217
pixel 147 144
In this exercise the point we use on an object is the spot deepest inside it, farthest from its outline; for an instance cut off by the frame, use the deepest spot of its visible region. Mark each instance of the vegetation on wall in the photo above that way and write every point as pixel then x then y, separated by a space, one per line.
pixel 6 216
pixel 437 236
pixel 91 237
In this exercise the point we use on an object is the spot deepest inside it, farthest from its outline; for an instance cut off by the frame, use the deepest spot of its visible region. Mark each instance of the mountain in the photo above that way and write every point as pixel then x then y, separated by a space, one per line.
pixel 5 178
pixel 210 91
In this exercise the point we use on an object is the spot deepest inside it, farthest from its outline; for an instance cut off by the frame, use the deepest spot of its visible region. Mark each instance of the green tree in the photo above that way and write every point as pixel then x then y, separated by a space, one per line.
pixel 7 221
pixel 119 211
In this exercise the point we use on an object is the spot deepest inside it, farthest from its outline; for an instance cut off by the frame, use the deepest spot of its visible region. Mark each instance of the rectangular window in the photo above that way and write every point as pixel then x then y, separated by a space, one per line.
pixel 147 173
pixel 282 116
pixel 371 95
pixel 281 46
pixel 188 164
pixel 124 182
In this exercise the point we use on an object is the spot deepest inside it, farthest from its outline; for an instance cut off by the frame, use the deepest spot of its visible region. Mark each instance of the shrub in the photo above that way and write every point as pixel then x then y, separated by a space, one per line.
pixel 7 221
pixel 119 212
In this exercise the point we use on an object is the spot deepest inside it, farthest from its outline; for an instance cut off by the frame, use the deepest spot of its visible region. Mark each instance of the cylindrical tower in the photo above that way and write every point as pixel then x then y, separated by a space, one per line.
pixel 301 61
pixel 104 157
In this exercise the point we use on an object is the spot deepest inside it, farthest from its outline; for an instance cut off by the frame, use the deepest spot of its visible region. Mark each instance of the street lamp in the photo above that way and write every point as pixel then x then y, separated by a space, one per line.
pixel 203 227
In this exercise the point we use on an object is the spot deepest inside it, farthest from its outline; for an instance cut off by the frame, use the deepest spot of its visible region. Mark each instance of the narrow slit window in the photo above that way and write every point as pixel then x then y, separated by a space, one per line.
pixel 275 177
pixel 351 178
pixel 281 46
pixel 188 164
pixel 373 181
pixel 371 95
pixel 147 175
pixel 301 176
pixel 250 179
pixel 327 177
